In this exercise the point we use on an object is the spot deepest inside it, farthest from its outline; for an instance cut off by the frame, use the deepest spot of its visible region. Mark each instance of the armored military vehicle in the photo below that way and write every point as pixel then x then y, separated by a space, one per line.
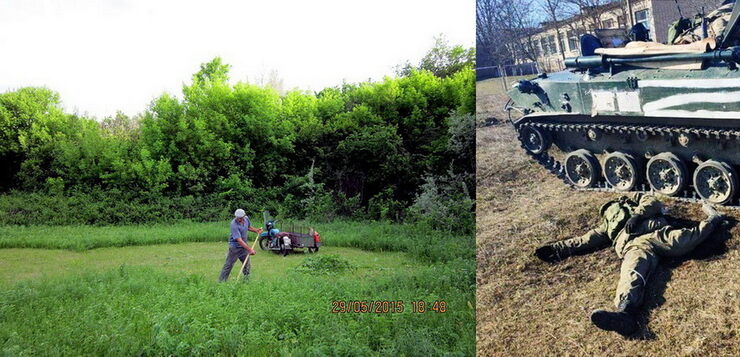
pixel 645 117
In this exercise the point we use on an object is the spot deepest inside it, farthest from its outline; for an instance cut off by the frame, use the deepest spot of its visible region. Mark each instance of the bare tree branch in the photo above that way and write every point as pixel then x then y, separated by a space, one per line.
pixel 505 29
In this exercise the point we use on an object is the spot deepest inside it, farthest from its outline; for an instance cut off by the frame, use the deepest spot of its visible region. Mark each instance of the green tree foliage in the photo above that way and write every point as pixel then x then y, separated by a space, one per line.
pixel 336 152
pixel 443 60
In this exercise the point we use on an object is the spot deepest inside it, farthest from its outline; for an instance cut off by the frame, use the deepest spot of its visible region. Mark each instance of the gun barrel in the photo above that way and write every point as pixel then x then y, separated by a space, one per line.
pixel 585 62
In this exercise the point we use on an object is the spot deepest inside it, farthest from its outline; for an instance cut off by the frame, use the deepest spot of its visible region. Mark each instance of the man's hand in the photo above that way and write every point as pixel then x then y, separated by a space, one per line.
pixel 632 223
pixel 245 246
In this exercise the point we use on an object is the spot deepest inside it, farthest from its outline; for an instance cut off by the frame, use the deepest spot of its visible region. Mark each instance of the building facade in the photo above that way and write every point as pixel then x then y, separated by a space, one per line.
pixel 557 41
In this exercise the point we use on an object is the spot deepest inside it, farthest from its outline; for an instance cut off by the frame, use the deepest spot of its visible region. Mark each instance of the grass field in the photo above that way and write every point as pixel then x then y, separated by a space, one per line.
pixel 145 298
pixel 530 308
pixel 376 236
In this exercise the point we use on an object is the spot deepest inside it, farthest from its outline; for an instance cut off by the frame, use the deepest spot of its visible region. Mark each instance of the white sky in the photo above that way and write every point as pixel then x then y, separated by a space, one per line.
pixel 103 56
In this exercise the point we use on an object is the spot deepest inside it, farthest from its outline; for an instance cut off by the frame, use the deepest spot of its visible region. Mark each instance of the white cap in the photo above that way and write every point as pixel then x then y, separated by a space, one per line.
pixel 239 213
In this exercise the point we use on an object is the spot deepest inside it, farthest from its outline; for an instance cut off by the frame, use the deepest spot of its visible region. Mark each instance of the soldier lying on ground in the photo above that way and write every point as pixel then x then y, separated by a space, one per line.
pixel 640 234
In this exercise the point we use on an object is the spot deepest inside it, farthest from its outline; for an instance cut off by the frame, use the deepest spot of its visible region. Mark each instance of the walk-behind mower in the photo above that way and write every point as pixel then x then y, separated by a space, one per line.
pixel 295 237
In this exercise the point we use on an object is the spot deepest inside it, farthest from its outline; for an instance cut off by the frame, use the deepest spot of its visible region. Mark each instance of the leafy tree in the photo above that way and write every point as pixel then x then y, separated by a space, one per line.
pixel 443 60
pixel 363 150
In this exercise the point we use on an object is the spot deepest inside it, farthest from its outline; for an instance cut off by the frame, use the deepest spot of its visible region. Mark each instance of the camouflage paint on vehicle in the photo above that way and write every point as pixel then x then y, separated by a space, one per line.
pixel 622 127
pixel 710 93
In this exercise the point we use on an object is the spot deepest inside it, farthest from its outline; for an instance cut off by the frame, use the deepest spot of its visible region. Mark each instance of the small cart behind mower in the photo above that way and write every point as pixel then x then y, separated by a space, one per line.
pixel 294 237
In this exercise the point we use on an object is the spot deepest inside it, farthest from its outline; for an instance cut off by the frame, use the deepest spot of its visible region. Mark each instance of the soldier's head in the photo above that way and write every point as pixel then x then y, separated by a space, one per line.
pixel 639 33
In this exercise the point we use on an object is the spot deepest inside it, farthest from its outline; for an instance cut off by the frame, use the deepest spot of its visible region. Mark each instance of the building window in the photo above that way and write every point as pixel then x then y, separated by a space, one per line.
pixel 620 22
pixel 572 40
pixel 545 47
pixel 643 17
pixel 551 44
pixel 534 46
pixel 608 24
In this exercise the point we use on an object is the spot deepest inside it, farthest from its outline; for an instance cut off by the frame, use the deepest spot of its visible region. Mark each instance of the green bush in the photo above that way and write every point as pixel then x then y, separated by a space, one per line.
pixel 365 146
pixel 113 207
pixel 445 204
pixel 384 206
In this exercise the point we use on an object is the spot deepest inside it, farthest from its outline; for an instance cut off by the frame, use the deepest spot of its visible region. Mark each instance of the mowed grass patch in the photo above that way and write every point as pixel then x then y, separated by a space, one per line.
pixel 202 259
pixel 692 305
pixel 153 306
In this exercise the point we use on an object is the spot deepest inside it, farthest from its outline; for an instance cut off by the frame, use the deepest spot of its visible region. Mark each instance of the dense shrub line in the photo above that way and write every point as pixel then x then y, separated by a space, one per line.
pixel 367 150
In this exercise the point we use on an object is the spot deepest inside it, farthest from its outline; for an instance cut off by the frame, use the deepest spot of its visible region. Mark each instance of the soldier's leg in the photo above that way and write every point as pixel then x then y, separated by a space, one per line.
pixel 638 263
pixel 231 257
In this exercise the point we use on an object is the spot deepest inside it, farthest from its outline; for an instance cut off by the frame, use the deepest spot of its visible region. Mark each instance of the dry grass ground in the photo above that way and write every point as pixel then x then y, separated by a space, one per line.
pixel 527 307
pixel 491 98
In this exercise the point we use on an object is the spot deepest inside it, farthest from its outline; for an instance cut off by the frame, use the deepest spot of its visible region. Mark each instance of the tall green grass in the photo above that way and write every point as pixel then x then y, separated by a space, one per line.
pixel 142 311
pixel 418 240
pixel 89 237
pixel 147 311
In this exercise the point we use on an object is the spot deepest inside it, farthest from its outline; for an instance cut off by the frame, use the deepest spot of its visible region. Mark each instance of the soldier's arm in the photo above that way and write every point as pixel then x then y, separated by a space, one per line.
pixel 648 207
pixel 592 241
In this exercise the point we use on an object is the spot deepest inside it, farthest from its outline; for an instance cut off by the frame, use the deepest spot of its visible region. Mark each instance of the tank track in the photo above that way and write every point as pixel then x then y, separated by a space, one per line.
pixel 555 167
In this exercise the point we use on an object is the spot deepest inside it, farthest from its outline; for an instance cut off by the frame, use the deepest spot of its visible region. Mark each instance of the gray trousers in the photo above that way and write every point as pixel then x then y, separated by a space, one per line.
pixel 232 255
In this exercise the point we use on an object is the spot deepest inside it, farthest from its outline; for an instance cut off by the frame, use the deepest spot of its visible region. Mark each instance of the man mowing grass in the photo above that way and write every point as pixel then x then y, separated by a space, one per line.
pixel 238 247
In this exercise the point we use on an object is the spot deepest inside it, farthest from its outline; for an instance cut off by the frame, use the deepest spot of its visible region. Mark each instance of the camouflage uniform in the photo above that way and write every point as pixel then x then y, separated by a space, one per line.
pixel 639 245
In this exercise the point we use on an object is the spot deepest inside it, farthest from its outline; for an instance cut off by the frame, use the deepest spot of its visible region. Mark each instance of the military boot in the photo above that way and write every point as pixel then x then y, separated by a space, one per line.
pixel 714 217
pixel 622 321
pixel 548 253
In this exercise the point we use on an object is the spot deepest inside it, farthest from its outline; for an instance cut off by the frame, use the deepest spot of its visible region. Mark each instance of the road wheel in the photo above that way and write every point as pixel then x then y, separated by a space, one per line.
pixel 715 181
pixel 581 168
pixel 622 171
pixel 667 174
pixel 535 140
